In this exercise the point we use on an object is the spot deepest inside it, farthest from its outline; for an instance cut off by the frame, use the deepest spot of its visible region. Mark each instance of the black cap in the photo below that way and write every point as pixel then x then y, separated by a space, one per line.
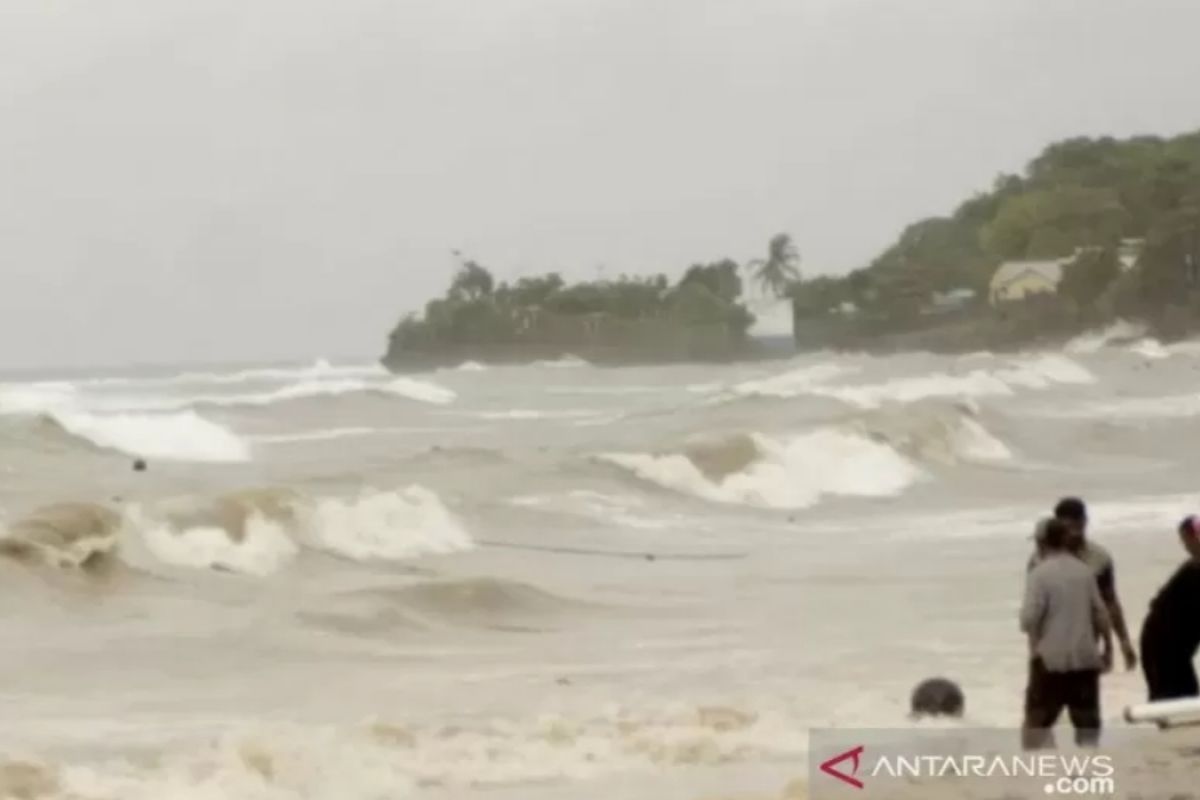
pixel 1071 508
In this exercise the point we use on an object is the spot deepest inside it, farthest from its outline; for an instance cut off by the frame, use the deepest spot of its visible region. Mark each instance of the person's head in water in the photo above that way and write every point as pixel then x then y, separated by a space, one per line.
pixel 937 697
pixel 1189 534
pixel 1073 512
pixel 139 465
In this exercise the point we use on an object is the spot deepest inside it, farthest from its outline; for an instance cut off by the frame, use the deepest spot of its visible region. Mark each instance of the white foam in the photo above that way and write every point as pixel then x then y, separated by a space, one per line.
pixel 1095 341
pixel 35 398
pixel 319 369
pixel 566 362
pixel 974 442
pixel 529 414
pixel 796 473
pixel 276 764
pixel 1149 348
pixel 264 548
pixel 471 366
pixel 1045 371
pixel 1040 372
pixel 1134 408
pixel 424 391
pixel 410 388
pixel 793 383
pixel 395 525
pixel 182 436
pixel 315 436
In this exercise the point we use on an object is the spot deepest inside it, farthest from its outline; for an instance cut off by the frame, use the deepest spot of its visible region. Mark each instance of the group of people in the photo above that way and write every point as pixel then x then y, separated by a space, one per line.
pixel 1071 612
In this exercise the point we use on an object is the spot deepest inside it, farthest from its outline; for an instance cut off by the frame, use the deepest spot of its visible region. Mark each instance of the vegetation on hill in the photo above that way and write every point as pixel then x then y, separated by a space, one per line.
pixel 628 319
pixel 1080 197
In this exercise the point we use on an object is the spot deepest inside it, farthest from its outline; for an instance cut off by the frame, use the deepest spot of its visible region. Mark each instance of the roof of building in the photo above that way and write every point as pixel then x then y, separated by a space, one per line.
pixel 1011 270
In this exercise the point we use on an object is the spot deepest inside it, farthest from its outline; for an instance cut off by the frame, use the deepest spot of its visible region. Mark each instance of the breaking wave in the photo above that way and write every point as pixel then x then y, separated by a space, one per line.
pixel 251 532
pixel 319 369
pixel 941 435
pixel 877 455
pixel 793 473
pixel 410 388
pixel 1120 332
pixel 182 436
pixel 793 383
pixel 566 362
pixel 1041 372
pixel 67 398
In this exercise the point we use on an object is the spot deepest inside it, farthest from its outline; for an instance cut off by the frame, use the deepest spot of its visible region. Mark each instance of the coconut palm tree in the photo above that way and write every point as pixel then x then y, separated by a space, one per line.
pixel 781 268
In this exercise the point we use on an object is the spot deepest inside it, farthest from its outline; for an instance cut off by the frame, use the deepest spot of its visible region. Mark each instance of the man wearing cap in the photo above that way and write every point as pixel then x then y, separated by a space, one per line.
pixel 1073 512
pixel 1171 633
pixel 1064 617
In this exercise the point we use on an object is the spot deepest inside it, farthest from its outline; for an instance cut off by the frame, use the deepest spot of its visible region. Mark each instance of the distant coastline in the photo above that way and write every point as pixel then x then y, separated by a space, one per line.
pixel 1092 232
pixel 701 317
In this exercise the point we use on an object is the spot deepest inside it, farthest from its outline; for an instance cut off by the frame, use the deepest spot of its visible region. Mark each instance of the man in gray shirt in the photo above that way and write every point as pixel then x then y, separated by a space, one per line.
pixel 1064 617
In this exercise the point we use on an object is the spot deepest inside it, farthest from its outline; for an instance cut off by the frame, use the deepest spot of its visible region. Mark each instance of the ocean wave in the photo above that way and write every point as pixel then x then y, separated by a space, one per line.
pixel 1171 407
pixel 765 472
pixel 319 369
pixel 395 525
pixel 1039 372
pixel 26 399
pixel 409 388
pixel 257 532
pixel 382 758
pixel 181 436
pixel 940 435
pixel 64 536
pixel 566 362
pixel 1149 348
pixel 792 383
pixel 34 398
pixel 1120 332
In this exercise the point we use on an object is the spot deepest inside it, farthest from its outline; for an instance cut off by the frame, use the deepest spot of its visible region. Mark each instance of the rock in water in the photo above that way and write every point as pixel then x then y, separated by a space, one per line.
pixel 937 697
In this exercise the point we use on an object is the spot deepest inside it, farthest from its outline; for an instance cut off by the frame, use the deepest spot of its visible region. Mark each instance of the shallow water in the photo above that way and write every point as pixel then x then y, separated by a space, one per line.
pixel 546 581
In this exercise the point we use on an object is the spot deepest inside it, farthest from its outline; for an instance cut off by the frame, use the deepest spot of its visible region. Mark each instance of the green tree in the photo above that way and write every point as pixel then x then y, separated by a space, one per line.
pixel 1088 276
pixel 720 277
pixel 472 282
pixel 781 268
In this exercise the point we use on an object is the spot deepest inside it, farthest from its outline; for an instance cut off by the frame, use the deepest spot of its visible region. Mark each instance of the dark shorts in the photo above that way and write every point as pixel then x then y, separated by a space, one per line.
pixel 1048 693
pixel 1168 667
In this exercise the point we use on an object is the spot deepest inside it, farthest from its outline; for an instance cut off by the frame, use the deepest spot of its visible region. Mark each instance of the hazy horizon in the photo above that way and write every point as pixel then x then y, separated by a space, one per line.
pixel 206 182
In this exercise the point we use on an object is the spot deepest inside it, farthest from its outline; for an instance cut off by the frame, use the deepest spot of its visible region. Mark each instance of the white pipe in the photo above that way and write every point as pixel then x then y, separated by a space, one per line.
pixel 1166 713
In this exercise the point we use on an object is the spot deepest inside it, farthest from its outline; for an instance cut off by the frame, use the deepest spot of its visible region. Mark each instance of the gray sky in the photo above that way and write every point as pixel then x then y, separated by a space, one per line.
pixel 207 180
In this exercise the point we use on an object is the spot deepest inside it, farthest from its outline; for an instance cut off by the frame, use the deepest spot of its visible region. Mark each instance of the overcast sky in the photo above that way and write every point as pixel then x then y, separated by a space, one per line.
pixel 241 180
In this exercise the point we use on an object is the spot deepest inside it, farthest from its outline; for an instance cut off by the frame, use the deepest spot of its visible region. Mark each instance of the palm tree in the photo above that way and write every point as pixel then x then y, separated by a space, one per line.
pixel 781 268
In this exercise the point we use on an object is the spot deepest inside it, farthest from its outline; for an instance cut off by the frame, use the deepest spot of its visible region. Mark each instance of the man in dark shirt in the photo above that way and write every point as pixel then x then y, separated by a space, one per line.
pixel 1171 633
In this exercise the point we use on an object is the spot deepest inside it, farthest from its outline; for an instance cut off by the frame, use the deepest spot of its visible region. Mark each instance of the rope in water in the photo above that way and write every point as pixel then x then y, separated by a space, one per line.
pixel 584 551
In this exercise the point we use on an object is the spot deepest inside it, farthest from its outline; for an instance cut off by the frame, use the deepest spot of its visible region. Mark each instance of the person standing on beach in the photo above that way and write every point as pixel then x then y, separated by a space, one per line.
pixel 1073 512
pixel 1065 618
pixel 1171 632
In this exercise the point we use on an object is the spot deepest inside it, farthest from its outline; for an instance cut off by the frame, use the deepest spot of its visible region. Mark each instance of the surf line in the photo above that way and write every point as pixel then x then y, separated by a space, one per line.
pixel 584 551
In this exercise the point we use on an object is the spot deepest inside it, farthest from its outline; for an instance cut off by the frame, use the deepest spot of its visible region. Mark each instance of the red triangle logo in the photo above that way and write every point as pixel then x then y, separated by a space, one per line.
pixel 830 767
